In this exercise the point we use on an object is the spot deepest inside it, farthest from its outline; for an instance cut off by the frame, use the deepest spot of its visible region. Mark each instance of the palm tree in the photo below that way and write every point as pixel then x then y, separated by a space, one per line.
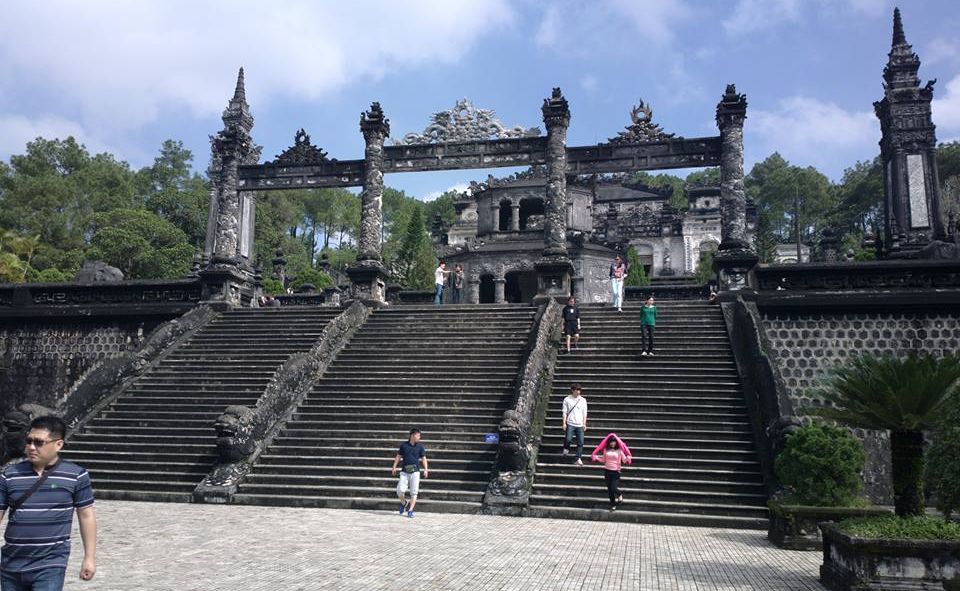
pixel 904 396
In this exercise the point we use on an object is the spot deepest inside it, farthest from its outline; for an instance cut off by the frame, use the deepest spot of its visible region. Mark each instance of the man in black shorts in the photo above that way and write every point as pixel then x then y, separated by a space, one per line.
pixel 571 322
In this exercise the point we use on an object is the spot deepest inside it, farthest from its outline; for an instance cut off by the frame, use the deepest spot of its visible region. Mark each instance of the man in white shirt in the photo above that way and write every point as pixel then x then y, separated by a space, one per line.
pixel 574 421
pixel 439 278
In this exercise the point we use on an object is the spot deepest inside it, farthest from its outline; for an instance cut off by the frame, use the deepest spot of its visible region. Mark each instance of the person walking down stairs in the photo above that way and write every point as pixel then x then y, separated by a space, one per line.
pixel 612 453
pixel 408 459
pixel 648 321
pixel 618 272
pixel 571 322
pixel 574 421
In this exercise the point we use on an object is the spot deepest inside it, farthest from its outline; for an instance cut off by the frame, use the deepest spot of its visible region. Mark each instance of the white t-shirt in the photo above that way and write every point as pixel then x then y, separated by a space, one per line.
pixel 575 409
pixel 438 276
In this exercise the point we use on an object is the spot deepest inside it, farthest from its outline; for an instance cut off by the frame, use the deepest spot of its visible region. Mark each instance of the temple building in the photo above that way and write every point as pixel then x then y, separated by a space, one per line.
pixel 498 233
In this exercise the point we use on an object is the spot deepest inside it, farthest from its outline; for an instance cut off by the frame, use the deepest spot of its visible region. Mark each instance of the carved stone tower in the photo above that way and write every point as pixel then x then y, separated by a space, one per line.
pixel 912 215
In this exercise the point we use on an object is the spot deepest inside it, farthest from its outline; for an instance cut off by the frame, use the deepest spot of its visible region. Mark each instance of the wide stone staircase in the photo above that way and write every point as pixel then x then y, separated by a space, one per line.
pixel 681 412
pixel 156 440
pixel 447 370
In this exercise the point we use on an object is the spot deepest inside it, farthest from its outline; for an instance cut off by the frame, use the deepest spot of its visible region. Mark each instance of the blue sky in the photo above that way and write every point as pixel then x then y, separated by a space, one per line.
pixel 124 76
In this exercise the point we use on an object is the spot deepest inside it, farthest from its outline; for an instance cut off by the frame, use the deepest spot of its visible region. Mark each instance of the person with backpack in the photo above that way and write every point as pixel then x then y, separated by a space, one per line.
pixel 618 272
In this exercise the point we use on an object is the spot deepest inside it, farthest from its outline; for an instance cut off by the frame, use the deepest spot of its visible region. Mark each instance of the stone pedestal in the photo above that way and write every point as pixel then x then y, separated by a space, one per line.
pixel 734 268
pixel 473 290
pixel 554 278
pixel 225 284
pixel 368 282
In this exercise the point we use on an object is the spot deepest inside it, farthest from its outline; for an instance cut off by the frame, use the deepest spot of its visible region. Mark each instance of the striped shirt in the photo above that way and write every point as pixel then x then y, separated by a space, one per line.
pixel 38 534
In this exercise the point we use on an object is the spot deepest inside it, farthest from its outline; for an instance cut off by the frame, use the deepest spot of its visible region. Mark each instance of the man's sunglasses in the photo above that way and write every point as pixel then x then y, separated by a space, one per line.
pixel 37 443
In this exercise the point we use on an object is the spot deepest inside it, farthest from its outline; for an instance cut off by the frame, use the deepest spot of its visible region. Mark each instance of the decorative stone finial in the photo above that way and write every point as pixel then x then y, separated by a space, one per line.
pixel 898 37
pixel 240 94
pixel 732 106
pixel 556 110
pixel 373 120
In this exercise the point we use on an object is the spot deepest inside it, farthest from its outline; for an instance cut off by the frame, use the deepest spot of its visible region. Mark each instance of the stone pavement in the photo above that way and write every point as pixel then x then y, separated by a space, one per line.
pixel 148 546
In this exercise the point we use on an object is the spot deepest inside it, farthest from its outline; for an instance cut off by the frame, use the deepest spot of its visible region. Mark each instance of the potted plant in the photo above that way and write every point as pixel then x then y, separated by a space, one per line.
pixel 819 468
pixel 909 550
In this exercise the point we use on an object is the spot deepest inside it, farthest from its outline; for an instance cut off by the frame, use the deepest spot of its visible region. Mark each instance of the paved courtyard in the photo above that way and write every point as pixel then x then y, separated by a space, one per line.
pixel 147 546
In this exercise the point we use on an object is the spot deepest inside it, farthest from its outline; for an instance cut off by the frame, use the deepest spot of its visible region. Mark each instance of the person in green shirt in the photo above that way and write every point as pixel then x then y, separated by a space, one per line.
pixel 648 320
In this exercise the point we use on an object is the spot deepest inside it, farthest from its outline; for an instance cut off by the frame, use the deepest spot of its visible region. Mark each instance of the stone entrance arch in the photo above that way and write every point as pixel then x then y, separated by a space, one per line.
pixel 463 138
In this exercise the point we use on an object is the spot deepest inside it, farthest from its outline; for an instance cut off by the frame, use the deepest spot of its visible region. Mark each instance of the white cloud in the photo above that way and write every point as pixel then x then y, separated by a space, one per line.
pixel 946 109
pixel 17 130
pixel 589 83
pixel 119 65
pixel 758 15
pixel 575 26
pixel 808 132
pixel 459 188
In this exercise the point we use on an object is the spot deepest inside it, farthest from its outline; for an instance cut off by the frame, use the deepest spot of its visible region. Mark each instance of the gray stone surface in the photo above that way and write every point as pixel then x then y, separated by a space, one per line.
pixel 187 547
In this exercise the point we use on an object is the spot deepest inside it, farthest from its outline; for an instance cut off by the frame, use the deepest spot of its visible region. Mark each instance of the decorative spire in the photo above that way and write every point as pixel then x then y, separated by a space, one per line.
pixel 240 94
pixel 898 37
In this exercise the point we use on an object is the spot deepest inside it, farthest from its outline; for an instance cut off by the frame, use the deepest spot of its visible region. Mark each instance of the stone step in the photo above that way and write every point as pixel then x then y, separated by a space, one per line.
pixel 600 513
pixel 375 455
pixel 364 406
pixel 384 497
pixel 311 438
pixel 663 452
pixel 613 393
pixel 677 507
pixel 448 382
pixel 427 372
pixel 456 425
pixel 586 490
pixel 629 480
pixel 105 465
pixel 453 481
pixel 425 502
pixel 724 473
pixel 477 394
pixel 144 496
pixel 291 442
pixel 636 414
pixel 168 482
pixel 474 417
pixel 121 457
pixel 179 398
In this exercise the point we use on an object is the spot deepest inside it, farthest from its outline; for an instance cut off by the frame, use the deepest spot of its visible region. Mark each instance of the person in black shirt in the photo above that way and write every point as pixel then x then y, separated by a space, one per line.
pixel 571 322
pixel 409 457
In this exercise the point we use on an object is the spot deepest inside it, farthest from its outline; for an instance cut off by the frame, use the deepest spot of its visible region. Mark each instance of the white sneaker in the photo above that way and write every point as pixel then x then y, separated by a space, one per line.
pixel 579 462
pixel 650 353
pixel 565 452
pixel 644 354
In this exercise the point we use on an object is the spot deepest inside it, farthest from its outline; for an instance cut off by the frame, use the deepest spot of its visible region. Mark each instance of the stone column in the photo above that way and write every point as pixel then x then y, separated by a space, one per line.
pixel 473 289
pixel 735 258
pixel 554 268
pixel 495 214
pixel 499 293
pixel 228 277
pixel 515 217
pixel 367 275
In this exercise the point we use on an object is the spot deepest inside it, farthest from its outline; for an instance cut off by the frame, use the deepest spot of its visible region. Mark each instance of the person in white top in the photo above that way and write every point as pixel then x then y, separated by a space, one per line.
pixel 574 421
pixel 439 278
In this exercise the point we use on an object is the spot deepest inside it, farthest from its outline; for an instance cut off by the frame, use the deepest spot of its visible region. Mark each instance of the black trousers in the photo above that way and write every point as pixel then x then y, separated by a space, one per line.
pixel 646 331
pixel 612 479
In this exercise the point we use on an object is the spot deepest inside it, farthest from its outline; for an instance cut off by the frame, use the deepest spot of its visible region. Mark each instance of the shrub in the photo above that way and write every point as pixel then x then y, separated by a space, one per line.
pixel 820 465
pixel 943 460
pixel 894 527
pixel 272 287
pixel 318 279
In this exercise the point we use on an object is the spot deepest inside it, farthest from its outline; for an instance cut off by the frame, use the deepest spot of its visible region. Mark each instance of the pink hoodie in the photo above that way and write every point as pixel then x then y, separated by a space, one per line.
pixel 599 452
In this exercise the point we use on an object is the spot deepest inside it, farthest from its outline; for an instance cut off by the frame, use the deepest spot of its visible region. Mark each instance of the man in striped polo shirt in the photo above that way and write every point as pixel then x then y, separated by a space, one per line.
pixel 34 557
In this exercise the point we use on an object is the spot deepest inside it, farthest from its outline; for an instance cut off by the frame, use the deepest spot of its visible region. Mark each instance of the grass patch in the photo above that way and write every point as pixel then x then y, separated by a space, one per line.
pixel 910 528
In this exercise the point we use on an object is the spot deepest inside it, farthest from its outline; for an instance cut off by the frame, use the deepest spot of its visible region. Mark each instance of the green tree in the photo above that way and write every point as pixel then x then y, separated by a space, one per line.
pixel 704 272
pixel 943 467
pixel 141 244
pixel 413 264
pixel 820 465
pixel 636 273
pixel 904 396
pixel 172 191
pixel 764 240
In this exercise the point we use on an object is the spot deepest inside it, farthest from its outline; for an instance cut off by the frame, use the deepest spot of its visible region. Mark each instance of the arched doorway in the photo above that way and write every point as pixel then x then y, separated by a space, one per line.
pixel 645 256
pixel 520 287
pixel 487 294
pixel 506 213
pixel 528 207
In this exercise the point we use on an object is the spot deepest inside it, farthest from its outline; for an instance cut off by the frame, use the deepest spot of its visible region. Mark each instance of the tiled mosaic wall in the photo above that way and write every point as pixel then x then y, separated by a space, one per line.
pixel 40 361
pixel 807 345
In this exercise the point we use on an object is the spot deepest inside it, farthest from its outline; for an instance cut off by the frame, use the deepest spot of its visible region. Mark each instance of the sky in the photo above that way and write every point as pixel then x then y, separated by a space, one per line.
pixel 124 76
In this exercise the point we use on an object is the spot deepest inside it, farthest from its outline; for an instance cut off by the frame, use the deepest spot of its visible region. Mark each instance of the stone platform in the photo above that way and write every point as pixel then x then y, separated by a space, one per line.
pixel 153 546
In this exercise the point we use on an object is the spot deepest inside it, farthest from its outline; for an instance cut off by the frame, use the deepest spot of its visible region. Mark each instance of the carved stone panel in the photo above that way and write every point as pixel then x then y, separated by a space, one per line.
pixel 919 217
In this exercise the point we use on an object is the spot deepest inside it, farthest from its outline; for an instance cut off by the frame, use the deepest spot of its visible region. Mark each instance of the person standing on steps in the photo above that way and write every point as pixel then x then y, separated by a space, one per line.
pixel 408 460
pixel 571 322
pixel 618 272
pixel 648 320
pixel 41 494
pixel 439 278
pixel 574 421
pixel 612 453
pixel 457 295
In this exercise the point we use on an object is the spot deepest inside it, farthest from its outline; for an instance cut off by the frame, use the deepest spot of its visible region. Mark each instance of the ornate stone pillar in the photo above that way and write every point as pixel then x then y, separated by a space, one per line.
pixel 367 275
pixel 473 289
pixel 499 293
pixel 554 268
pixel 735 258
pixel 228 276
pixel 495 214
pixel 515 217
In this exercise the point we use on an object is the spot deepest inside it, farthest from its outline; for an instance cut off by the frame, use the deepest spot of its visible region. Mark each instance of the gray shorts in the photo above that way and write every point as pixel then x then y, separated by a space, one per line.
pixel 409 481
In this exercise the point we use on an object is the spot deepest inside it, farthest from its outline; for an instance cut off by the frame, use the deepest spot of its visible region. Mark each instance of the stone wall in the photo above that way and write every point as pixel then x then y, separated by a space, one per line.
pixel 807 343
pixel 40 359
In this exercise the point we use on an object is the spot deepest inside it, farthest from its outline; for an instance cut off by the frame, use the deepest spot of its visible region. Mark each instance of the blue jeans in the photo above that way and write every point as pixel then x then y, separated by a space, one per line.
pixel 616 286
pixel 438 296
pixel 571 432
pixel 45 579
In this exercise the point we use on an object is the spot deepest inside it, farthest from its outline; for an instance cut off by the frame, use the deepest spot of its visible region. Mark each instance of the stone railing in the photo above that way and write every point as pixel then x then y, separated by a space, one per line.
pixel 106 380
pixel 243 433
pixel 768 404
pixel 121 298
pixel 868 275
pixel 330 296
pixel 522 426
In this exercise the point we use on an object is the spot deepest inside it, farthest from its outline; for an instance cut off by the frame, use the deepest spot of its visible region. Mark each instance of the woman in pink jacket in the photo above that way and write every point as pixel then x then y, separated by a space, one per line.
pixel 612 453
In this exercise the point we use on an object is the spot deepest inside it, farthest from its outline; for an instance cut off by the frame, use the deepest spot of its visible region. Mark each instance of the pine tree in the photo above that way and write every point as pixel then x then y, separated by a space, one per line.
pixel 637 274
pixel 764 240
